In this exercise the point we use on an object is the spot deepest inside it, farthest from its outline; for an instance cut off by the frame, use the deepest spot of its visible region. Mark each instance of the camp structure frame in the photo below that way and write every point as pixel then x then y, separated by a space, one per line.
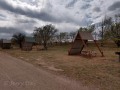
pixel 80 42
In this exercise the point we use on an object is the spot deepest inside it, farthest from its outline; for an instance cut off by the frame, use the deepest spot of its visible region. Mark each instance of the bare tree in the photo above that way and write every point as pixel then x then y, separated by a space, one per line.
pixel 72 35
pixel 105 26
pixel 61 37
pixel 18 38
pixel 95 35
pixel 90 29
pixel 111 29
pixel 114 32
pixel 44 34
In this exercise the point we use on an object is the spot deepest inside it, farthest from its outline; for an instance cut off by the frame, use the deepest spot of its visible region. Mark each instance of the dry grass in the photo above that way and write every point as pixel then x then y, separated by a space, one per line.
pixel 102 72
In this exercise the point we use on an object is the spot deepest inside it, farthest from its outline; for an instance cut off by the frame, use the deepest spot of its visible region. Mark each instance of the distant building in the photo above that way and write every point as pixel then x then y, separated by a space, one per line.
pixel 0 43
pixel 28 43
pixel 5 44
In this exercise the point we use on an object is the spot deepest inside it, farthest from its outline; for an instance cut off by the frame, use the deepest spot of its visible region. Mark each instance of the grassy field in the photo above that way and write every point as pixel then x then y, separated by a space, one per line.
pixel 102 72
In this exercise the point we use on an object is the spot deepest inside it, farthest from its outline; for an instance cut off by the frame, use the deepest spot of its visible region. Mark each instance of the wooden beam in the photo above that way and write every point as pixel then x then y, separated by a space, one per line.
pixel 78 37
pixel 99 48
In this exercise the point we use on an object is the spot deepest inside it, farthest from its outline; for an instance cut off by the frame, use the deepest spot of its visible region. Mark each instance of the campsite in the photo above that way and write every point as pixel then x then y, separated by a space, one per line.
pixel 80 57
pixel 102 72
pixel 60 45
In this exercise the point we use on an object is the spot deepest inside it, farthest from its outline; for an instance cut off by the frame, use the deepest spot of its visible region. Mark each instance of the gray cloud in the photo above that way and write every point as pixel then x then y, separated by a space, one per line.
pixel 88 15
pixel 97 9
pixel 71 3
pixel 10 30
pixel 31 2
pixel 67 15
pixel 45 16
pixel 97 17
pixel 86 6
pixel 2 17
pixel 87 0
pixel 114 6
pixel 7 32
pixel 26 21
pixel 5 36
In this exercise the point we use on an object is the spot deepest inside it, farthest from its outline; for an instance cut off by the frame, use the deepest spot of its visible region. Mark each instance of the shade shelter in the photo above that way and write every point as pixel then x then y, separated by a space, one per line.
pixel 5 44
pixel 80 42
pixel 28 43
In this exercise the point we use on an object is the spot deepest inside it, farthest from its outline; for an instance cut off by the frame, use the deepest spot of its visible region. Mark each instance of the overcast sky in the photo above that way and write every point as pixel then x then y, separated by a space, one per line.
pixel 66 15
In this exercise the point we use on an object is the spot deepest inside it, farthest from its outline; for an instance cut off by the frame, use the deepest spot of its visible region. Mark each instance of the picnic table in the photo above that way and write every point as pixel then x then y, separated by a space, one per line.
pixel 118 53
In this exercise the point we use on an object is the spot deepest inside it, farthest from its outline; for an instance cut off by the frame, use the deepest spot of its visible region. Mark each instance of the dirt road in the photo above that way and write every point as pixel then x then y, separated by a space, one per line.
pixel 16 74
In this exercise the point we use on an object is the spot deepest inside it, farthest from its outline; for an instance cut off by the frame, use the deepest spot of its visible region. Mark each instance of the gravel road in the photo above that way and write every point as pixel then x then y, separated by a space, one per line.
pixel 16 74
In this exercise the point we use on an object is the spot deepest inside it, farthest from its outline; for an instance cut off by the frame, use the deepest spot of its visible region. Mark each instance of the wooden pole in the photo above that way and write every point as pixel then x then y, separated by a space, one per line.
pixel 118 53
pixel 119 58
pixel 99 48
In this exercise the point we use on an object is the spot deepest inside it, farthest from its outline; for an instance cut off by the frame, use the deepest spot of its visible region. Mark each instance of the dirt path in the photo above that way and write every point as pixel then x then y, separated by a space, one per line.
pixel 16 74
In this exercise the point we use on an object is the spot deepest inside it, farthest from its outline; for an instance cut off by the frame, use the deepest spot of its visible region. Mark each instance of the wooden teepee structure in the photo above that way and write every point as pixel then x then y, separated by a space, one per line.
pixel 80 42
